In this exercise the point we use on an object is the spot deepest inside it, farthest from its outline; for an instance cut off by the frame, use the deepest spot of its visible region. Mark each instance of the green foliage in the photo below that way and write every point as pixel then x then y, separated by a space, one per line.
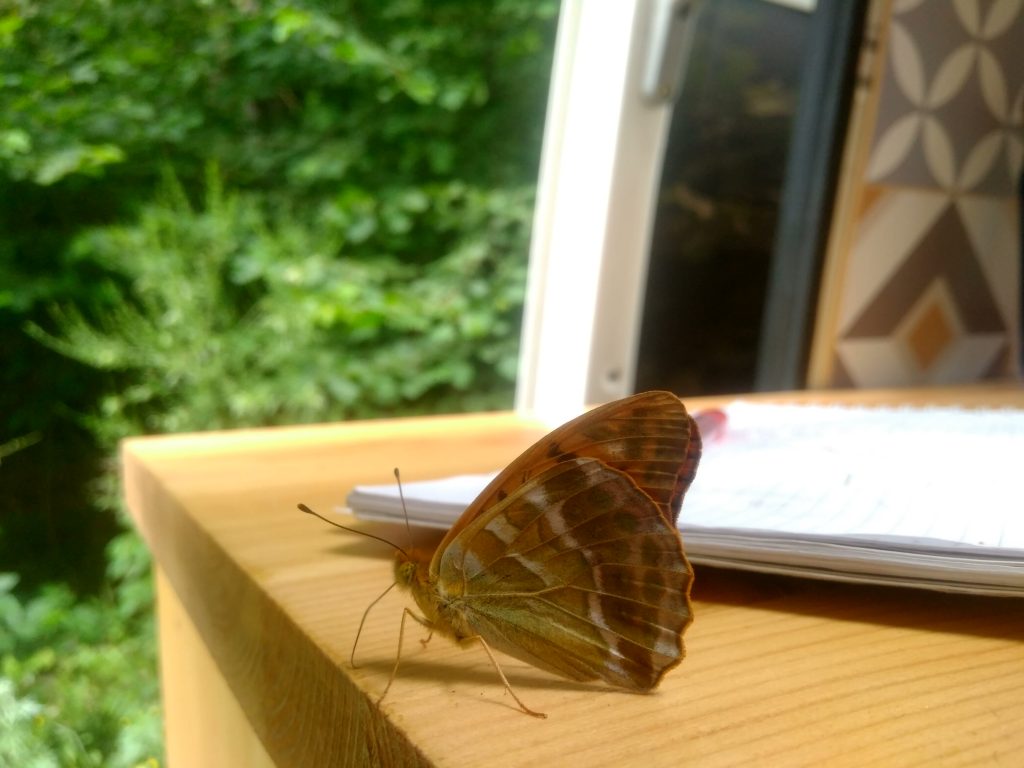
pixel 78 680
pixel 304 90
pixel 226 214
pixel 331 104
pixel 235 316
pixel 19 742
pixel 19 443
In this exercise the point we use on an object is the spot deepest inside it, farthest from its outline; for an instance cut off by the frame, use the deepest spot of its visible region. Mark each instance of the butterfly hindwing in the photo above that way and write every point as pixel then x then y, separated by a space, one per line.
pixel 576 571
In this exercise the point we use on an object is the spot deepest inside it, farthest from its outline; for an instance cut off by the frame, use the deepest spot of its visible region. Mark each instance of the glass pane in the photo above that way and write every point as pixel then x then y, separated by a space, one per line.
pixel 719 199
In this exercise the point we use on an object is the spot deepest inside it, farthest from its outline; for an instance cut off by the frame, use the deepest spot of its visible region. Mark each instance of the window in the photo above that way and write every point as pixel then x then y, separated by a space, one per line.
pixel 655 260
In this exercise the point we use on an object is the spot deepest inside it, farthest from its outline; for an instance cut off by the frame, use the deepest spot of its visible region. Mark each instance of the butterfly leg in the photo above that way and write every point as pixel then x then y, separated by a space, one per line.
pixel 398 654
pixel 362 621
pixel 497 668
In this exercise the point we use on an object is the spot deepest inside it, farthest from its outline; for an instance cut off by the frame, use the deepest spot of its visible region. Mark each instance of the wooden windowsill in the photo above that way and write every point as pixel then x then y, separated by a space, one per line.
pixel 259 605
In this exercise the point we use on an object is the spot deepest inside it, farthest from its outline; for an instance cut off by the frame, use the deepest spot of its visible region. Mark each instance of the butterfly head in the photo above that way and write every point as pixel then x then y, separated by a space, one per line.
pixel 411 567
pixel 412 572
pixel 405 570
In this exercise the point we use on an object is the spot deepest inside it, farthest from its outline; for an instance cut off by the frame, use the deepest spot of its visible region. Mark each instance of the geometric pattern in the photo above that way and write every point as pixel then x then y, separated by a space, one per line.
pixel 952 97
pixel 930 281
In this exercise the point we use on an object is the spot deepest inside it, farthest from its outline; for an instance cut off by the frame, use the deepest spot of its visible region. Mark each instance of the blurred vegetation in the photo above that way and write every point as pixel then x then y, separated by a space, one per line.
pixel 219 214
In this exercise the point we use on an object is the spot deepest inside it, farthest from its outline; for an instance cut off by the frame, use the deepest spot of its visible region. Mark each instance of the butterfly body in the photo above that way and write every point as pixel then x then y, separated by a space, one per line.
pixel 570 559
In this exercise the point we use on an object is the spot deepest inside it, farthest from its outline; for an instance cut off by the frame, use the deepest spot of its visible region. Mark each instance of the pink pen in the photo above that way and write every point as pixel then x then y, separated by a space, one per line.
pixel 711 423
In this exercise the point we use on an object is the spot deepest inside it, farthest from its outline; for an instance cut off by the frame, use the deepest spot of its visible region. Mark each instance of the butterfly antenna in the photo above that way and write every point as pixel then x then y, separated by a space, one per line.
pixel 405 512
pixel 392 544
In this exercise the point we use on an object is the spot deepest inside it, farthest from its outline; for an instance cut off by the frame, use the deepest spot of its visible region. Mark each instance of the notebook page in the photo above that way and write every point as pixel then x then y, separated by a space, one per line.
pixel 931 478
pixel 934 476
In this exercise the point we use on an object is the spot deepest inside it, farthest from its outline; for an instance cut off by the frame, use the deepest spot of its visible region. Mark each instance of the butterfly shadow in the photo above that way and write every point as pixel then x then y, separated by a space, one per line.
pixel 477 679
pixel 477 673
pixel 375 544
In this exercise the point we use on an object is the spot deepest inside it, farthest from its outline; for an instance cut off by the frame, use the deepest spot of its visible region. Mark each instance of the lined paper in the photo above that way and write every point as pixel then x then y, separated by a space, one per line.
pixel 929 497
pixel 937 476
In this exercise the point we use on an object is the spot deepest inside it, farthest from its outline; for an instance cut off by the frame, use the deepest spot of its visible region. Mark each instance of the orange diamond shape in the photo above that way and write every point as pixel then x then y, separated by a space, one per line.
pixel 930 335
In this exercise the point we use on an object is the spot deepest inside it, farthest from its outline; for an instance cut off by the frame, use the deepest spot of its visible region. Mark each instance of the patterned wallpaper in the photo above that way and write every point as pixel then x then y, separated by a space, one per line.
pixel 923 276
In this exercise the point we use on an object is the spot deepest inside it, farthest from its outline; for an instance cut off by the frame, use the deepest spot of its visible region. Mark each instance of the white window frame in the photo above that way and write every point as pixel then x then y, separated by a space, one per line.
pixel 604 141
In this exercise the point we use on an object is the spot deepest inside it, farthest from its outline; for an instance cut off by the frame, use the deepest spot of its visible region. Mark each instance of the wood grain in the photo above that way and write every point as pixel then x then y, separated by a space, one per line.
pixel 192 688
pixel 779 670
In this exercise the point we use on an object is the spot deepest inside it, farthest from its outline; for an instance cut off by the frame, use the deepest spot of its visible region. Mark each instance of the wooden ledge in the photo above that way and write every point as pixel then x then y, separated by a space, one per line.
pixel 260 605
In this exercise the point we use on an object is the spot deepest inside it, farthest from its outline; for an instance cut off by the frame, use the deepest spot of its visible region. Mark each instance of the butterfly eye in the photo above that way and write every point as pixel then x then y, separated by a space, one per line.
pixel 405 571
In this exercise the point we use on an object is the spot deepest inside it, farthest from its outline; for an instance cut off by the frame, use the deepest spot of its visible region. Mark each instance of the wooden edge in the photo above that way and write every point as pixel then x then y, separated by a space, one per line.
pixel 204 725
pixel 303 706
pixel 302 703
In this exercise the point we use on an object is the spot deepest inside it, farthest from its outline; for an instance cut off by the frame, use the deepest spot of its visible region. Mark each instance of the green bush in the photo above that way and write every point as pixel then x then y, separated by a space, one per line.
pixel 232 315
pixel 229 315
pixel 78 684
pixel 340 107
pixel 228 214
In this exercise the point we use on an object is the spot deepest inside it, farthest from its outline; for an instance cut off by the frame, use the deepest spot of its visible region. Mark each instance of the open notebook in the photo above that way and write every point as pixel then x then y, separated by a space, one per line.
pixel 922 497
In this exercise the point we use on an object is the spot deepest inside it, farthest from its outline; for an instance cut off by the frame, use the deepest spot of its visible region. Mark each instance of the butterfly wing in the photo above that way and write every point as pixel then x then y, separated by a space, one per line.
pixel 649 436
pixel 575 571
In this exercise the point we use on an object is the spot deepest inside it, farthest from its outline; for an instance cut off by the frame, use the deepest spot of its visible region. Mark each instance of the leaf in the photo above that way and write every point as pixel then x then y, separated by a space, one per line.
pixel 77 159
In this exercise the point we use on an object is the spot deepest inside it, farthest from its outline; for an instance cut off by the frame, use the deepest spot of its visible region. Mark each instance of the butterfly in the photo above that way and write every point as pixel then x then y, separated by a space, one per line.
pixel 570 559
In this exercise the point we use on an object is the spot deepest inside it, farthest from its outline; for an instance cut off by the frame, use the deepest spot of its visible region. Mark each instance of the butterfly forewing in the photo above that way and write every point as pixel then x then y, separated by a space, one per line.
pixel 576 570
pixel 649 436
